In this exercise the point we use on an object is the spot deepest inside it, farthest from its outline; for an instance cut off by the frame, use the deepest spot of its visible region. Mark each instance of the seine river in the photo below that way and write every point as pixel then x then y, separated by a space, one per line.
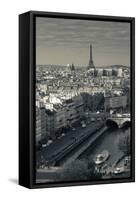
pixel 108 141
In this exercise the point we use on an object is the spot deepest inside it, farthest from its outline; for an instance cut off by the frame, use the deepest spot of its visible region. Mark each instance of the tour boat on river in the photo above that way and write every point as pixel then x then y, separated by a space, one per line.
pixel 102 157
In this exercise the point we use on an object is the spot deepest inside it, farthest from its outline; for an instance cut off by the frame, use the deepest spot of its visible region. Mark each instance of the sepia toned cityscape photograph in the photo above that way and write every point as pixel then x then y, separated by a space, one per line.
pixel 82 100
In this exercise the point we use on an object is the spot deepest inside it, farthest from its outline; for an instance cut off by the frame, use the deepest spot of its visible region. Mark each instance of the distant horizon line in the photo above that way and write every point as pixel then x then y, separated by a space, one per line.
pixel 78 65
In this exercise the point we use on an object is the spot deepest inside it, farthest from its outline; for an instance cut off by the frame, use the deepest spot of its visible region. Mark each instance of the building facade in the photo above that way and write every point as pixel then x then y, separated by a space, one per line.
pixel 115 102
pixel 40 124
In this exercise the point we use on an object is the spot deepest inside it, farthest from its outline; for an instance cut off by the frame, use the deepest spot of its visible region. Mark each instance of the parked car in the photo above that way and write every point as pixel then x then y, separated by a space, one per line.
pixel 44 145
pixel 119 170
pixel 83 125
pixel 49 142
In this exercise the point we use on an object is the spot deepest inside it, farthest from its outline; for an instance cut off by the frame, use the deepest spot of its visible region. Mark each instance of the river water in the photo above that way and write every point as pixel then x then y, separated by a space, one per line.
pixel 108 141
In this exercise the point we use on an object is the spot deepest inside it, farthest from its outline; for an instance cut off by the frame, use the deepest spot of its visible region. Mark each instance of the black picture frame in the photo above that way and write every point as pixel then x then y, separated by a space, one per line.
pixel 27 55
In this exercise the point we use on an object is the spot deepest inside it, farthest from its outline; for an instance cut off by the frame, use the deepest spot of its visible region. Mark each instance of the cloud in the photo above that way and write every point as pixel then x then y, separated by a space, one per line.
pixel 109 37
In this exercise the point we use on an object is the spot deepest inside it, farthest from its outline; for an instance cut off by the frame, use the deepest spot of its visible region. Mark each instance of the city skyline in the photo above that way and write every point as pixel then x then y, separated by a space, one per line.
pixel 66 41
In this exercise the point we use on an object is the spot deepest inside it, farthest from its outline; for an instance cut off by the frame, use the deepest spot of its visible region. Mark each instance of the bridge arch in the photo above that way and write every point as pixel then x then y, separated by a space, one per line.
pixel 126 124
pixel 111 123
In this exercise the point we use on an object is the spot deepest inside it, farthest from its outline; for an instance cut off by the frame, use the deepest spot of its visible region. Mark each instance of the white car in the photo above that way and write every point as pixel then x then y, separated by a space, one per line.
pixel 49 142
pixel 119 170
pixel 44 145
pixel 83 125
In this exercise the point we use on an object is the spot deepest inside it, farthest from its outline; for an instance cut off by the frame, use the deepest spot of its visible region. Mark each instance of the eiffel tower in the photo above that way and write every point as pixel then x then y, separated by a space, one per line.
pixel 91 64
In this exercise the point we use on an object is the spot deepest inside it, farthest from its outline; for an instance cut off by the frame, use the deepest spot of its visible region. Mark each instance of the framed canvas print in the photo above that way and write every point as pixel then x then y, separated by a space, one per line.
pixel 76 99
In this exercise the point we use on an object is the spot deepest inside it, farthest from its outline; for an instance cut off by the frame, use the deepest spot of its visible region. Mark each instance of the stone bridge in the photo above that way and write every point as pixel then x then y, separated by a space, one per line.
pixel 120 121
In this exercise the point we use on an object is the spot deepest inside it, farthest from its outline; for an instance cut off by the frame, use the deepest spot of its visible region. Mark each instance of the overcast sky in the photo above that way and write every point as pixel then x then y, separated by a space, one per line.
pixel 66 41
